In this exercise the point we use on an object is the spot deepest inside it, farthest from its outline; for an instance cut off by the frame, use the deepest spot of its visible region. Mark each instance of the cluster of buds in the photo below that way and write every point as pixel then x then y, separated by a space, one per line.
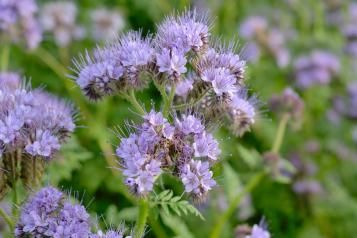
pixel 317 68
pixel 33 125
pixel 263 38
pixel 50 213
pixel 183 148
pixel 18 21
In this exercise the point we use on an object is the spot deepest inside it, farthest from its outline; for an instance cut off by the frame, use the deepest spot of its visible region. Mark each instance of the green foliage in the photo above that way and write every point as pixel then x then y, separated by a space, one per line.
pixel 170 204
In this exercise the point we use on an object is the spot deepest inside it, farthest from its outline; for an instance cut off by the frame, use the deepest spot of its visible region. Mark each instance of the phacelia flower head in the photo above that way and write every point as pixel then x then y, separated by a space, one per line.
pixel 10 80
pixel 59 18
pixel 183 148
pixel 106 24
pixel 116 67
pixel 48 213
pixel 317 68
pixel 18 22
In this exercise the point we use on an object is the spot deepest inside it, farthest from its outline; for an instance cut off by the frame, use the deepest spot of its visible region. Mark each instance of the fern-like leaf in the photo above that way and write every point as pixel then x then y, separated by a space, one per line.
pixel 171 204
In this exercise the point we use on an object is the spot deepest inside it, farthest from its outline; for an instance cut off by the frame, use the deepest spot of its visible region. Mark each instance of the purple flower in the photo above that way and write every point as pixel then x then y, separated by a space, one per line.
pixel 106 24
pixel 197 178
pixel 222 80
pixel 253 25
pixel 44 145
pixel 189 124
pixel 59 18
pixel 206 146
pixel 183 87
pixel 172 62
pixel 189 31
pixel 258 232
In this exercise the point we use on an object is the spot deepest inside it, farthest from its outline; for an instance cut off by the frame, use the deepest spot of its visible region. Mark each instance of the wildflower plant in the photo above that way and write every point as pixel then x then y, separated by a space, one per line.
pixel 201 82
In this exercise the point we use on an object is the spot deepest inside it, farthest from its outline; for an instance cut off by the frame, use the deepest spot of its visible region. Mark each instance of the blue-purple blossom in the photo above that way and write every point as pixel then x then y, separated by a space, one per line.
pixel 317 68
pixel 32 121
pixel 49 214
pixel 59 18
pixel 221 79
pixel 171 61
pixel 158 145
pixel 258 232
pixel 186 32
pixel 197 178
pixel 184 86
pixel 18 21
pixel 106 24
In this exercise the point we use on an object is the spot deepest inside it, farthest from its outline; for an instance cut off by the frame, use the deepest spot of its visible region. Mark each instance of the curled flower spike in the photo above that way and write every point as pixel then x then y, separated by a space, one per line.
pixel 115 68
pixel 183 148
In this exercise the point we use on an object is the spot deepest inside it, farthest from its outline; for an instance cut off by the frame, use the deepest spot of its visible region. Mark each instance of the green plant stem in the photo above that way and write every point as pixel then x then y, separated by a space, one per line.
pixel 280 133
pixel 168 102
pixel 162 91
pixel 15 199
pixel 7 219
pixel 5 54
pixel 190 104
pixel 156 226
pixel 142 217
pixel 222 219
pixel 134 102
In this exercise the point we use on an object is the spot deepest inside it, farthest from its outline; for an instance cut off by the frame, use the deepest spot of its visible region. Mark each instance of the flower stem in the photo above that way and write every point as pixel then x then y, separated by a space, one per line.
pixel 280 133
pixel 168 102
pixel 142 217
pixel 5 57
pixel 7 219
pixel 253 182
pixel 134 102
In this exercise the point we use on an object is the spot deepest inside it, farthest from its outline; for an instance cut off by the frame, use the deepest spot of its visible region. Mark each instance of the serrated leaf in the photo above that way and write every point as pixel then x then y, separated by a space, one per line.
pixel 173 204
pixel 232 184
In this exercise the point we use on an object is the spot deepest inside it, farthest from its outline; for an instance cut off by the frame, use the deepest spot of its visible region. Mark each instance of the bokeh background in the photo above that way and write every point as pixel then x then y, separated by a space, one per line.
pixel 318 200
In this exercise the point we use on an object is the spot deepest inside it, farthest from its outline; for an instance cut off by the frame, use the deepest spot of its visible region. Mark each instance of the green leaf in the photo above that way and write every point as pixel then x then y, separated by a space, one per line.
pixel 171 204
pixel 177 226
pixel 231 181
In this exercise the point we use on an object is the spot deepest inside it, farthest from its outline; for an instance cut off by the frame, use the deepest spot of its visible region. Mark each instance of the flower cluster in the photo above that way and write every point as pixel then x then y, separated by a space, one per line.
pixel 116 68
pixel 32 121
pixel 180 58
pixel 317 68
pixel 258 232
pixel 106 24
pixel 59 18
pixel 183 148
pixel 33 125
pixel 18 21
pixel 50 213
pixel 262 37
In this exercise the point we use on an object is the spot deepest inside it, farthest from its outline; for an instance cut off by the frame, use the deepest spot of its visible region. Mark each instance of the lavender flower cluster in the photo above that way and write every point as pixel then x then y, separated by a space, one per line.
pixel 180 58
pixel 49 213
pixel 349 30
pixel 183 148
pixel 18 21
pixel 31 121
pixel 258 232
pixel 317 68
pixel 261 37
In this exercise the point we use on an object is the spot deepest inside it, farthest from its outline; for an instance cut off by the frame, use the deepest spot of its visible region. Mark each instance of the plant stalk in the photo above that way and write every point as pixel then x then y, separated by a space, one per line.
pixel 142 217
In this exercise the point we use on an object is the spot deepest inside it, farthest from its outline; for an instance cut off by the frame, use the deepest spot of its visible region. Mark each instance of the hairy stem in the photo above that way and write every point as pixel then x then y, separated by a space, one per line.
pixel 168 102
pixel 7 219
pixel 134 102
pixel 280 133
pixel 222 219
pixel 139 229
